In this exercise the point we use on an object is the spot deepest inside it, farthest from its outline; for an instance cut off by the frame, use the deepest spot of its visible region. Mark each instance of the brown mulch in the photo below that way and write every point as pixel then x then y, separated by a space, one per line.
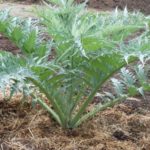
pixel 124 127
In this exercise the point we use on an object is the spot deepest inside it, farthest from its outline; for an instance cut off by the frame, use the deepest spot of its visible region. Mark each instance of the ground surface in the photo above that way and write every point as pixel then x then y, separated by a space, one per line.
pixel 22 8
pixel 124 127
pixel 18 9
pixel 142 5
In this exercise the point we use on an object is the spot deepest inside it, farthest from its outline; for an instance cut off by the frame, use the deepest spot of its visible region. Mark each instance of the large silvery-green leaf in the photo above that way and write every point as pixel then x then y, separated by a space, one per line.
pixel 90 48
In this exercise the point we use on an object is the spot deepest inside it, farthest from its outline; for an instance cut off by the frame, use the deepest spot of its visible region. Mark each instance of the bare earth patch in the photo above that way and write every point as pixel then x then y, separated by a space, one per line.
pixel 7 45
pixel 17 9
pixel 140 5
